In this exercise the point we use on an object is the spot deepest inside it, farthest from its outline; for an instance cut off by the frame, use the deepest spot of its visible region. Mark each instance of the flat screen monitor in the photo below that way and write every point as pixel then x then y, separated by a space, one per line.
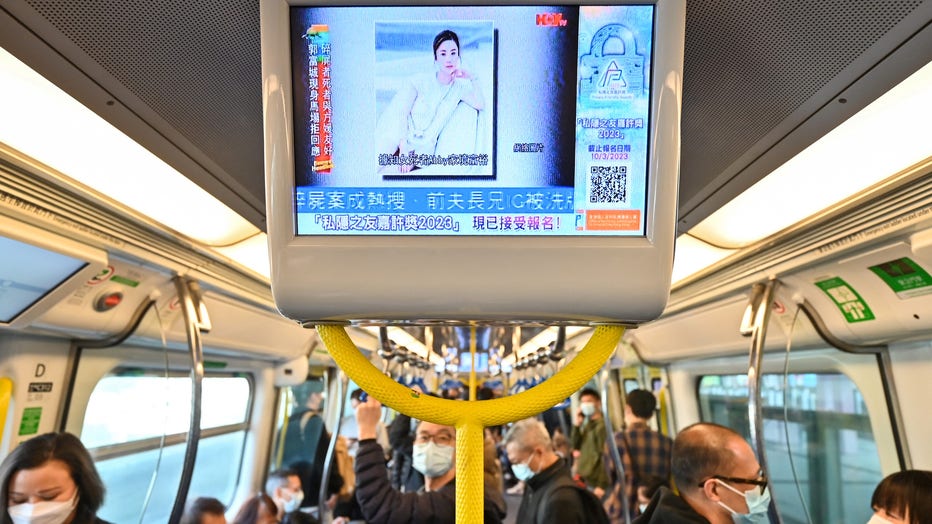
pixel 475 152
pixel 37 269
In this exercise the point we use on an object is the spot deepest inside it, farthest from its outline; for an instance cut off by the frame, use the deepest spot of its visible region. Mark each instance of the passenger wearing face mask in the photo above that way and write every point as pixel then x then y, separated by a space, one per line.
pixel 646 490
pixel 284 486
pixel 588 440
pixel 434 456
pixel 904 497
pixel 550 495
pixel 719 479
pixel 50 479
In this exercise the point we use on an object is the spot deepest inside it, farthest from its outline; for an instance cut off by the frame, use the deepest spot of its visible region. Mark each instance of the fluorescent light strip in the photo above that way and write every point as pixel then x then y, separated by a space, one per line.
pixel 693 255
pixel 44 122
pixel 252 253
pixel 882 139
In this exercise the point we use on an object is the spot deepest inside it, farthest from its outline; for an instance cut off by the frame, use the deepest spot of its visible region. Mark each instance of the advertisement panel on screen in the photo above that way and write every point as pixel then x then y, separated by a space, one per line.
pixel 471 120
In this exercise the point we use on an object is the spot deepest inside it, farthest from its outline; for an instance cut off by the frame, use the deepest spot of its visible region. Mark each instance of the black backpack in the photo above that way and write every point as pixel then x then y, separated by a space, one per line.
pixel 591 505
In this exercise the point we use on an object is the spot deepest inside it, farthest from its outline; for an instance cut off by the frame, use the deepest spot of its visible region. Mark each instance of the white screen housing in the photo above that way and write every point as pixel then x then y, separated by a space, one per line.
pixel 621 277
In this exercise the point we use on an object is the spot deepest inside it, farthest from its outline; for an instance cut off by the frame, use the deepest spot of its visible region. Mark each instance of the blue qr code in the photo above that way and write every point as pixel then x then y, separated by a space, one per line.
pixel 608 184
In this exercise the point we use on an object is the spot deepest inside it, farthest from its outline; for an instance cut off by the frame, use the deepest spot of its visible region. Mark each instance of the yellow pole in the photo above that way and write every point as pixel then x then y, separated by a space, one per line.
pixel 470 418
pixel 470 487
pixel 6 397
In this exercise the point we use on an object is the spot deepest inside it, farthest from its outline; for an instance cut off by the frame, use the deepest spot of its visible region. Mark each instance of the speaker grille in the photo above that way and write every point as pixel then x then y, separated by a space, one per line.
pixel 749 66
pixel 195 63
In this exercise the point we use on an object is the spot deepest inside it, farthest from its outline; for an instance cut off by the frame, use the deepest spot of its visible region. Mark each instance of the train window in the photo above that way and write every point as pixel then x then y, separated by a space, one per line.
pixel 129 416
pixel 833 449
pixel 631 384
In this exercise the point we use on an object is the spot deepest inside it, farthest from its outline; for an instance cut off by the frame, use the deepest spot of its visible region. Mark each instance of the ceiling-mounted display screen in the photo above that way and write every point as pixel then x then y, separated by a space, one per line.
pixel 28 273
pixel 471 120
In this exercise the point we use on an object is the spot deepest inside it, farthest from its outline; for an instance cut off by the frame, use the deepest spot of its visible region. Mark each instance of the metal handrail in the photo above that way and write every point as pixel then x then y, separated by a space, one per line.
pixel 759 308
pixel 195 323
pixel 342 383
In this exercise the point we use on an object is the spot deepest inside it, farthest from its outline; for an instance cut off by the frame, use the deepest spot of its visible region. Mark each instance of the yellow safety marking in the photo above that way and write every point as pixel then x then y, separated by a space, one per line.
pixel 287 400
pixel 470 417
pixel 6 395
pixel 664 414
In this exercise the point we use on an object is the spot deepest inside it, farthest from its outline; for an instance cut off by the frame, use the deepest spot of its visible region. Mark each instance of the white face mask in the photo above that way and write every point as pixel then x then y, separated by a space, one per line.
pixel 642 507
pixel 292 504
pixel 45 512
pixel 432 460
pixel 587 408
pixel 877 519
pixel 757 505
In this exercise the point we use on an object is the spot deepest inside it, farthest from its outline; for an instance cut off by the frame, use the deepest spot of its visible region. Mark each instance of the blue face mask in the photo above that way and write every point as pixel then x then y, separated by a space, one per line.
pixel 524 471
pixel 757 505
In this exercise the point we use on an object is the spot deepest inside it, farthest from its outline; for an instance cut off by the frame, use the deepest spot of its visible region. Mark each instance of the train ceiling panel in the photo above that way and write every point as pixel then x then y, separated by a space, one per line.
pixel 762 81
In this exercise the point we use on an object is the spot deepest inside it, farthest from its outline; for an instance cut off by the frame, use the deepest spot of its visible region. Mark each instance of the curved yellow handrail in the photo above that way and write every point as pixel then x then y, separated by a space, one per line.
pixel 471 417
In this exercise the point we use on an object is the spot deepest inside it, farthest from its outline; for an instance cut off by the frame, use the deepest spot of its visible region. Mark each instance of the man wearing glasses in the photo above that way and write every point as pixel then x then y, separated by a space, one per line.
pixel 434 456
pixel 719 479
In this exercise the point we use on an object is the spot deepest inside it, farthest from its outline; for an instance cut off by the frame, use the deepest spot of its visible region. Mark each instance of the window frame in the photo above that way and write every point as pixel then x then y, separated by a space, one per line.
pixel 112 451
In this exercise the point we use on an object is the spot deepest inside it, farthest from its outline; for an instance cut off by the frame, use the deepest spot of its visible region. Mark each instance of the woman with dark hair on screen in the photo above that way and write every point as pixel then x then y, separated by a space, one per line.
pixel 905 497
pixel 50 479
pixel 426 117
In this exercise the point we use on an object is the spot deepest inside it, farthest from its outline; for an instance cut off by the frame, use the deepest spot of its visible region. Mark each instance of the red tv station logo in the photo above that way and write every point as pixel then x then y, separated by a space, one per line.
pixel 551 19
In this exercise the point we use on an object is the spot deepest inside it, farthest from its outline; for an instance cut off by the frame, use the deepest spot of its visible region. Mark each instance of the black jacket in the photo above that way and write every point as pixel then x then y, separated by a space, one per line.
pixel 546 503
pixel 382 504
pixel 668 508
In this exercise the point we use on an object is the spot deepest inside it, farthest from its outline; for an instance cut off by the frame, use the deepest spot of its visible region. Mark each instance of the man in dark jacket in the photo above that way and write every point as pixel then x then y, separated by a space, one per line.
pixel 549 494
pixel 434 456
pixel 719 479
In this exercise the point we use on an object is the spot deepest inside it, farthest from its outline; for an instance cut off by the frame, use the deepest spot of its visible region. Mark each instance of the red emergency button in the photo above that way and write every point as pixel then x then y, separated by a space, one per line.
pixel 108 301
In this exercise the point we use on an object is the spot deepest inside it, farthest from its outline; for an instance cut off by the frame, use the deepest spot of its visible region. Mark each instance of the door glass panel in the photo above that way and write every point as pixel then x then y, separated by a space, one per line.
pixel 830 436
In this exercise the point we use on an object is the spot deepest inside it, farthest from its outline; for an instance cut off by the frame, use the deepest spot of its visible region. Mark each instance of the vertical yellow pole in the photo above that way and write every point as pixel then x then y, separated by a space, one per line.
pixel 472 360
pixel 470 484
pixel 6 397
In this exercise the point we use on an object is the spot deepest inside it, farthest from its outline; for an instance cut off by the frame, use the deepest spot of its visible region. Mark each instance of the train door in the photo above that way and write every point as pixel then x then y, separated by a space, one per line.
pixel 826 426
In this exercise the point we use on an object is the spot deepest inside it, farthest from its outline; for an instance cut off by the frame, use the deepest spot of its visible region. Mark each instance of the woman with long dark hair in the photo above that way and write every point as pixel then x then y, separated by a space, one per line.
pixel 51 479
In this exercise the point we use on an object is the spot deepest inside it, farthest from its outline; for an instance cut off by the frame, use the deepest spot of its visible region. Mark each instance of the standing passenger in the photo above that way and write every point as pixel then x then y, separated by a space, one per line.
pixel 50 478
pixel 648 451
pixel 434 456
pixel 550 495
pixel 305 443
pixel 588 440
